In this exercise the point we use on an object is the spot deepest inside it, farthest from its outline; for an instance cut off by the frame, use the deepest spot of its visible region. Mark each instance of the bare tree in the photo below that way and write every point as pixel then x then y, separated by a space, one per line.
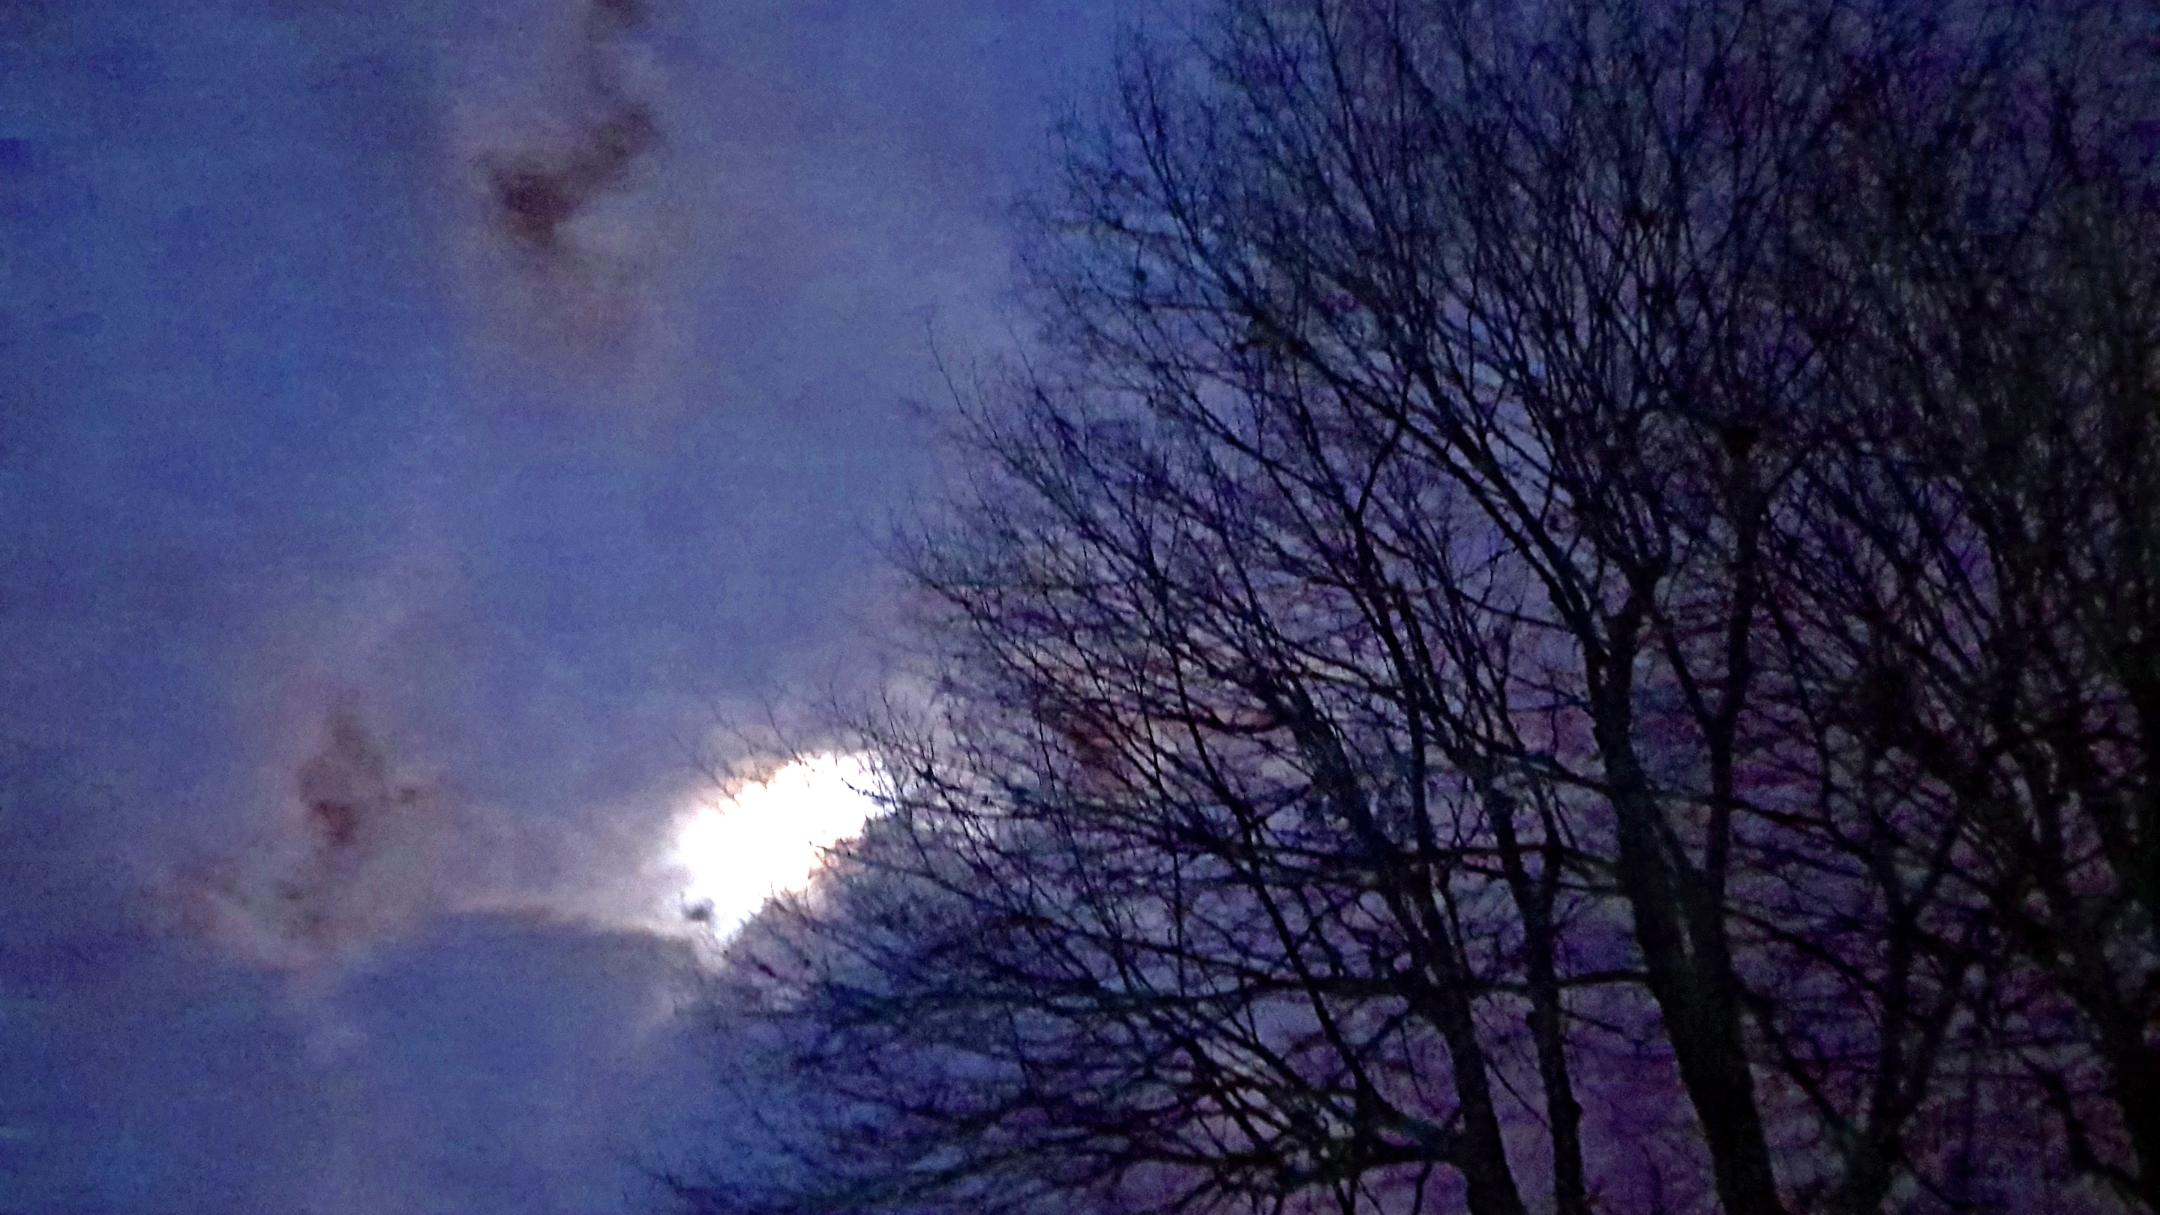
pixel 1551 565
pixel 1188 860
pixel 1980 561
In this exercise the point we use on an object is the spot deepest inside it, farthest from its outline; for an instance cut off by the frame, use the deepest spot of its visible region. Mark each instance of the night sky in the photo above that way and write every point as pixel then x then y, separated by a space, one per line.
pixel 450 411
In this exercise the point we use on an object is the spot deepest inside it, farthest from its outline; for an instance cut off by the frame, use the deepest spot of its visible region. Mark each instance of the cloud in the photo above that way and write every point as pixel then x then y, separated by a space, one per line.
pixel 267 473
pixel 358 857
pixel 334 1028
pixel 538 190
pixel 360 853
pixel 556 152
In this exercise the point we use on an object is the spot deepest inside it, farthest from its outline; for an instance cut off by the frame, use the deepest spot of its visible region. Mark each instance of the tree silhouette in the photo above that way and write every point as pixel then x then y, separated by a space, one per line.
pixel 1567 621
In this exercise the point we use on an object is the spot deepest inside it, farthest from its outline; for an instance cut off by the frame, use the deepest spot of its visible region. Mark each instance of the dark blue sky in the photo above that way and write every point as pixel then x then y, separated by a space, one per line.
pixel 523 380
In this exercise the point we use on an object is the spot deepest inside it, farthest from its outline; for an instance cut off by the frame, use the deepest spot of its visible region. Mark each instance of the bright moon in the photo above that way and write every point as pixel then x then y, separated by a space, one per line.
pixel 741 848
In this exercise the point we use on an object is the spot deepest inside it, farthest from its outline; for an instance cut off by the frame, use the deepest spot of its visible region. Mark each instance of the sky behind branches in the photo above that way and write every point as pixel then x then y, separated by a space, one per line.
pixel 425 416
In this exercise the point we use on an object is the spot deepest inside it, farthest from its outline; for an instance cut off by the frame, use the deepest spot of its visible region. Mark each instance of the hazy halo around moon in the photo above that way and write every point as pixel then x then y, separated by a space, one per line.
pixel 738 848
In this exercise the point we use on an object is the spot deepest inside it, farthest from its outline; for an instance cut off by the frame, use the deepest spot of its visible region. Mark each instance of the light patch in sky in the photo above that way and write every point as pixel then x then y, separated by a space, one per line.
pixel 764 837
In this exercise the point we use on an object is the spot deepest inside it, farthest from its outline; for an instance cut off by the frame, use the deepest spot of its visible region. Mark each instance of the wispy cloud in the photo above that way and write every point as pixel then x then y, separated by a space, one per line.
pixel 559 158
pixel 358 857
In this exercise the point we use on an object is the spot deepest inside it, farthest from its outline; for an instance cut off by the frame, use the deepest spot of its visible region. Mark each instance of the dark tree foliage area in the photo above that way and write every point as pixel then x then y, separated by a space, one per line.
pixel 1565 616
